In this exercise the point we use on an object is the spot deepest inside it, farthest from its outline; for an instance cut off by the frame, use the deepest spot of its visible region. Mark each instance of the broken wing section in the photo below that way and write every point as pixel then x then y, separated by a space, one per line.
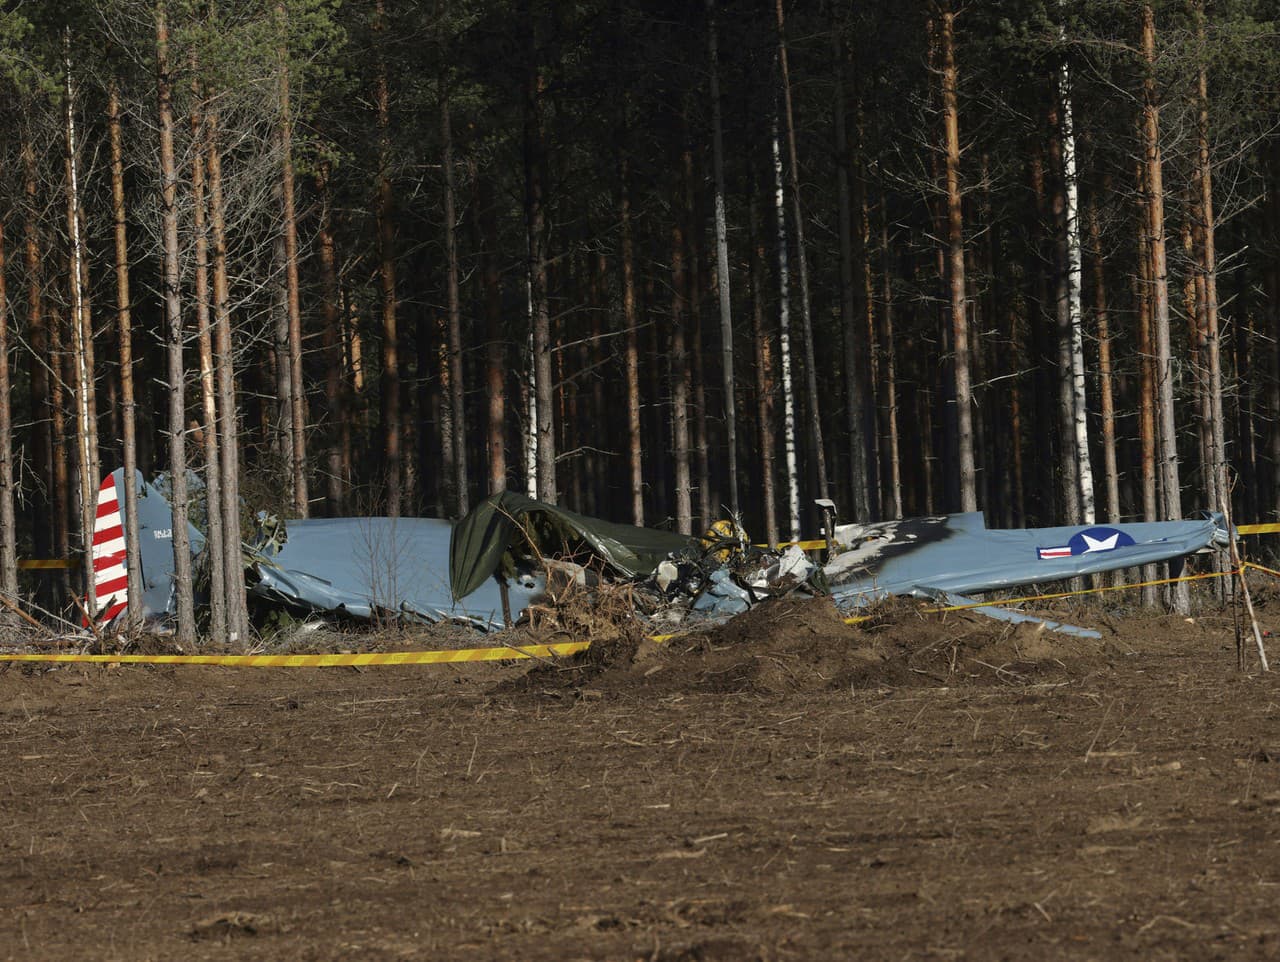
pixel 374 567
pixel 959 554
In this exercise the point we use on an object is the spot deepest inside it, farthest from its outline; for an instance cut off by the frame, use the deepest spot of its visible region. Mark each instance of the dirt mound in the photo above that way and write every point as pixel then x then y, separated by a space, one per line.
pixel 807 645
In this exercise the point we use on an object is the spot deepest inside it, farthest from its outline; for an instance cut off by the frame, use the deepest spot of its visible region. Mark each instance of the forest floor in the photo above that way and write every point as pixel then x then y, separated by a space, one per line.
pixel 787 787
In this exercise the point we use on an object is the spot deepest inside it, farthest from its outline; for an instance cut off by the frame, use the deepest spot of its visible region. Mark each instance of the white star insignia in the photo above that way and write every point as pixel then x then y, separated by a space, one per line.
pixel 1105 544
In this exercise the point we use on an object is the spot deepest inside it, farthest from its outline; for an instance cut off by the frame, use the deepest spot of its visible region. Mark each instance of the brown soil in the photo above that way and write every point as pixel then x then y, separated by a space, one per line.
pixel 783 787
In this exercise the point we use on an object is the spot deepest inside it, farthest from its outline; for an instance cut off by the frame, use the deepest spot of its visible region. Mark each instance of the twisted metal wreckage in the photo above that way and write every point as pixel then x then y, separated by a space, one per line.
pixel 487 569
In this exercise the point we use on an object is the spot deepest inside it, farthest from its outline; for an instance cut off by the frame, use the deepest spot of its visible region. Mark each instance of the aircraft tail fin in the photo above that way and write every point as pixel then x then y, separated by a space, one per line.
pixel 110 580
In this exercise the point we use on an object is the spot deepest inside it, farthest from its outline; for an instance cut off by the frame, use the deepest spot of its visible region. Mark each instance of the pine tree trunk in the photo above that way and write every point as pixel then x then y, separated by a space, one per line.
pixel 1045 478
pixel 722 266
pixel 434 448
pixel 630 320
pixel 679 378
pixel 1209 271
pixel 208 396
pixel 855 345
pixel 124 326
pixel 281 429
pixel 766 388
pixel 784 339
pixel 45 525
pixel 1271 277
pixel 1146 383
pixel 598 503
pixel 889 387
pixel 88 469
pixel 1170 485
pixel 1193 298
pixel 457 414
pixel 495 347
pixel 172 279
pixel 335 393
pixel 8 521
pixel 391 422
pixel 695 340
pixel 814 410
pixel 60 375
pixel 955 242
pixel 228 411
pixel 536 226
pixel 297 422
pixel 1106 385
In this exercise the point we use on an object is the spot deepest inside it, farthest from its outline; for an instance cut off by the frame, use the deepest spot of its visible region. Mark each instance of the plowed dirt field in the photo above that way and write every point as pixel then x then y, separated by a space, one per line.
pixel 789 787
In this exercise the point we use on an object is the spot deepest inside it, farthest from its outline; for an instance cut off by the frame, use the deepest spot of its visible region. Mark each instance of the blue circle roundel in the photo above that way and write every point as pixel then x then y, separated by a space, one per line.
pixel 1101 538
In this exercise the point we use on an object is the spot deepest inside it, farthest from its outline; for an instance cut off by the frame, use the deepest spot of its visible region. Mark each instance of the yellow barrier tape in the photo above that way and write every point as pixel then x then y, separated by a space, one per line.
pixel 1258 567
pixel 1258 528
pixel 48 564
pixel 509 652
pixel 355 660
pixel 1089 591
pixel 998 602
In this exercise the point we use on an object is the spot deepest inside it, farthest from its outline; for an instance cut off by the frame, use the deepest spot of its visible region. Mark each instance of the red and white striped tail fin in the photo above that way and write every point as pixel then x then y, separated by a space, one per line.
pixel 110 580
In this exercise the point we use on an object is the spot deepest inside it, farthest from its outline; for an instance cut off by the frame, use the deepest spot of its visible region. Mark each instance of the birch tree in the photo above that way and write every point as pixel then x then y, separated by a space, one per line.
pixel 536 223
pixel 814 410
pixel 1072 325
pixel 784 336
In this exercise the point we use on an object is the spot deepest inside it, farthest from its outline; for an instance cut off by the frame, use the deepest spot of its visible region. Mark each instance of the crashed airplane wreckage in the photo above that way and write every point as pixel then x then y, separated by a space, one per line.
pixel 488 568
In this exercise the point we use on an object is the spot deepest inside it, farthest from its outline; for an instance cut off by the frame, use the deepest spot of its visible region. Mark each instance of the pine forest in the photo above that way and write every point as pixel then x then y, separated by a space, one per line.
pixel 657 262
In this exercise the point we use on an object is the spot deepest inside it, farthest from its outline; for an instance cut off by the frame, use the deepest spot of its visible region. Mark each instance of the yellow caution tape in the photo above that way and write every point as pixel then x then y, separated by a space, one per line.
pixel 354 660
pixel 512 652
pixel 1262 568
pixel 998 602
pixel 1088 591
pixel 48 564
pixel 1258 529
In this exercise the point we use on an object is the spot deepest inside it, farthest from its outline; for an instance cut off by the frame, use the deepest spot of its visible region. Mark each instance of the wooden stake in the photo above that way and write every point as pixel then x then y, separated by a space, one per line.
pixel 1244 591
pixel 12 606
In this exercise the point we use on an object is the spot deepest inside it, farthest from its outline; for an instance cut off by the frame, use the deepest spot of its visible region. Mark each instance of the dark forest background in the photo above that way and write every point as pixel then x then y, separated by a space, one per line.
pixel 389 257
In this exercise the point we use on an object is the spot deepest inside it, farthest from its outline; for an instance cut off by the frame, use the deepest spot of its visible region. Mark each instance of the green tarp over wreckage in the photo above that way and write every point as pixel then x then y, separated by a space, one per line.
pixel 511 521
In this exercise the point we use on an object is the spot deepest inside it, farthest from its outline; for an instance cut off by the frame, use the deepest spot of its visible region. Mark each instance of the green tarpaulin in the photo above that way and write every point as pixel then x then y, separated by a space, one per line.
pixel 509 520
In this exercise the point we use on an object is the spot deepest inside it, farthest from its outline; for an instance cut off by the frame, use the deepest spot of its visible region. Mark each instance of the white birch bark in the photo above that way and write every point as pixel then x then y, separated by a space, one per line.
pixel 784 338
pixel 529 386
pixel 1080 419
